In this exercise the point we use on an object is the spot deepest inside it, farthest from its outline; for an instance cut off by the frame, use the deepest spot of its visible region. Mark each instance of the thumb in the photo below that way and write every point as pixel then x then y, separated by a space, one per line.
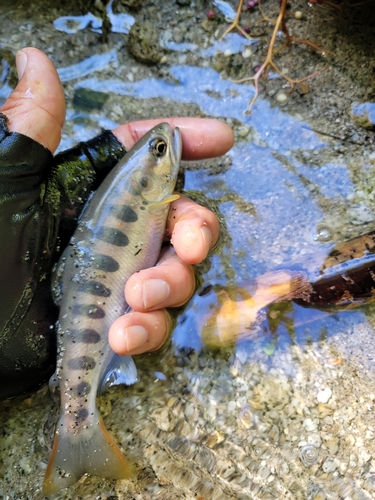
pixel 36 107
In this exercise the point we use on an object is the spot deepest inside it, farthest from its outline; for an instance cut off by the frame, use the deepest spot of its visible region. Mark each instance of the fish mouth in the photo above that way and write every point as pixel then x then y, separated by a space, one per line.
pixel 176 145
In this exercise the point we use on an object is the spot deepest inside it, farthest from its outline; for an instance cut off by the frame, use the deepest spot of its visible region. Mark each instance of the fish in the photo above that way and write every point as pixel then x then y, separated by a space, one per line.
pixel 236 311
pixel 120 232
pixel 344 280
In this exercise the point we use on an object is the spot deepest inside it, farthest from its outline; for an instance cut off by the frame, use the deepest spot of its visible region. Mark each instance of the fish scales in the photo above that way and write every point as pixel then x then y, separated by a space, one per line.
pixel 120 233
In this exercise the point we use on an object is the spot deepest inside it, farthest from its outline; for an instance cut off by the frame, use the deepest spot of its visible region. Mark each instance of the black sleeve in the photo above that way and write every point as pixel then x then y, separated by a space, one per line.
pixel 76 172
pixel 79 170
pixel 40 199
pixel 24 348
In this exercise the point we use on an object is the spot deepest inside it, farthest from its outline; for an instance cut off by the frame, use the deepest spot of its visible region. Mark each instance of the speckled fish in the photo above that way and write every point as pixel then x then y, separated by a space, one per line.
pixel 345 280
pixel 234 311
pixel 120 233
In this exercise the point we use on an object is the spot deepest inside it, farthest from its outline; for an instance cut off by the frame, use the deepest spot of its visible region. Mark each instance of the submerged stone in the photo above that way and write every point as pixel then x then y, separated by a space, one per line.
pixel 143 43
pixel 87 99
pixel 363 114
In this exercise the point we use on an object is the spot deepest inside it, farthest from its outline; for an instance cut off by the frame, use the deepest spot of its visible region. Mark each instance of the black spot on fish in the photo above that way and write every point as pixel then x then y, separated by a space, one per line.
pixel 82 415
pixel 82 389
pixel 96 288
pixel 144 202
pixel 106 263
pixel 82 363
pixel 87 336
pixel 142 208
pixel 124 213
pixel 144 182
pixel 134 191
pixel 90 310
pixel 113 236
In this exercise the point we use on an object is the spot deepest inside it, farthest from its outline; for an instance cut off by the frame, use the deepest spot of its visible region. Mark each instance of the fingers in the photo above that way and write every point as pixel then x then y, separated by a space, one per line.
pixel 36 107
pixel 137 332
pixel 194 229
pixel 171 283
pixel 148 292
pixel 201 137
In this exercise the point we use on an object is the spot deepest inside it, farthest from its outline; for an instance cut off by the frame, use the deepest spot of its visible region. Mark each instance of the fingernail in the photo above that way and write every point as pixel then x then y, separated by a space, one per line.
pixel 135 336
pixel 155 291
pixel 206 238
pixel 21 63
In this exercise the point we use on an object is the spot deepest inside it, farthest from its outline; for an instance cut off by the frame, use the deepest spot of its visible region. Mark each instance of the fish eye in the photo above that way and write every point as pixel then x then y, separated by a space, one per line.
pixel 158 147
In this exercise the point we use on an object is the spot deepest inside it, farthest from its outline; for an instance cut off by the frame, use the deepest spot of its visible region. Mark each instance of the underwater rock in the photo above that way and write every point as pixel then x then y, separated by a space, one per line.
pixel 131 4
pixel 87 99
pixel 363 114
pixel 143 43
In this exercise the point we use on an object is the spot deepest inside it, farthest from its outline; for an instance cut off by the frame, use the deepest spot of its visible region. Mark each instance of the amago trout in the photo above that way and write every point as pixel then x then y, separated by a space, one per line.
pixel 120 233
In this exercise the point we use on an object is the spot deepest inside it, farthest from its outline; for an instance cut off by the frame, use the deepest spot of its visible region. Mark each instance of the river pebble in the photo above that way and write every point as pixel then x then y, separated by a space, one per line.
pixel 324 395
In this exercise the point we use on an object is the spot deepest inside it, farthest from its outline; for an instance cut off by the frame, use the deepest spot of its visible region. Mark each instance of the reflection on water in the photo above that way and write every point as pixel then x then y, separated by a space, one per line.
pixel 94 63
pixel 226 9
pixel 231 44
pixel 120 23
pixel 221 98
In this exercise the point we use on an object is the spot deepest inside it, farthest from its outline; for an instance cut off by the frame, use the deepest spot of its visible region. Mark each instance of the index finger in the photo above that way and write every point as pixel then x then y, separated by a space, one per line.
pixel 201 137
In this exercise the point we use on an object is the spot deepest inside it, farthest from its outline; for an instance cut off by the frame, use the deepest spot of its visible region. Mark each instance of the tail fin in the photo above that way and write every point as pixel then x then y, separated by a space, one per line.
pixel 237 311
pixel 92 450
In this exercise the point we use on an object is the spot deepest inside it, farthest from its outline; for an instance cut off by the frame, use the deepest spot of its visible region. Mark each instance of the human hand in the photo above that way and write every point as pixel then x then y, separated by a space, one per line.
pixel 37 109
pixel 194 231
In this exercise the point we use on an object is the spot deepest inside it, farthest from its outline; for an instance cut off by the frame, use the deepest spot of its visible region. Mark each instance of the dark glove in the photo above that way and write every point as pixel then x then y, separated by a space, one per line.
pixel 40 200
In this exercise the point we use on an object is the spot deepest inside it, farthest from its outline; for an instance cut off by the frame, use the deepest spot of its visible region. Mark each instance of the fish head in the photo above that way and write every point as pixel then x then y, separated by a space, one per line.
pixel 158 160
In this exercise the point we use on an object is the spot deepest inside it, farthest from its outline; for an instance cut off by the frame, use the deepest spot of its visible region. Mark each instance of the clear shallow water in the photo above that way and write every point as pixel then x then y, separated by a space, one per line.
pixel 272 203
pixel 244 421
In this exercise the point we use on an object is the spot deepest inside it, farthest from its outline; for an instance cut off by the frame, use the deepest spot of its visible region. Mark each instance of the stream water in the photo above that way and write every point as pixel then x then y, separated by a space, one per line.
pixel 287 411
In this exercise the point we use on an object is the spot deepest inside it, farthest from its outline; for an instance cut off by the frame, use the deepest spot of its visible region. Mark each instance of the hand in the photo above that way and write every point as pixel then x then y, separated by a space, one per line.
pixel 37 109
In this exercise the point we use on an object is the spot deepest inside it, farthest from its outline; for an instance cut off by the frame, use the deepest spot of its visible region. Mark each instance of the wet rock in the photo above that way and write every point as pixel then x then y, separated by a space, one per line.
pixel 143 42
pixel 309 425
pixel 87 99
pixel 364 114
pixel 329 465
pixel 332 445
pixel 324 395
pixel 131 4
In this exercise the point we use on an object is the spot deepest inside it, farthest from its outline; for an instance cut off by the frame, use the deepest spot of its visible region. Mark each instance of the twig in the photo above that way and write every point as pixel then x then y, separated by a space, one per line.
pixel 279 24
pixel 235 23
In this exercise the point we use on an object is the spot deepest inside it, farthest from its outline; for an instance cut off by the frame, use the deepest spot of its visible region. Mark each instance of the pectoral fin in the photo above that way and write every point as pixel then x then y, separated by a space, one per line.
pixel 121 370
pixel 166 201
